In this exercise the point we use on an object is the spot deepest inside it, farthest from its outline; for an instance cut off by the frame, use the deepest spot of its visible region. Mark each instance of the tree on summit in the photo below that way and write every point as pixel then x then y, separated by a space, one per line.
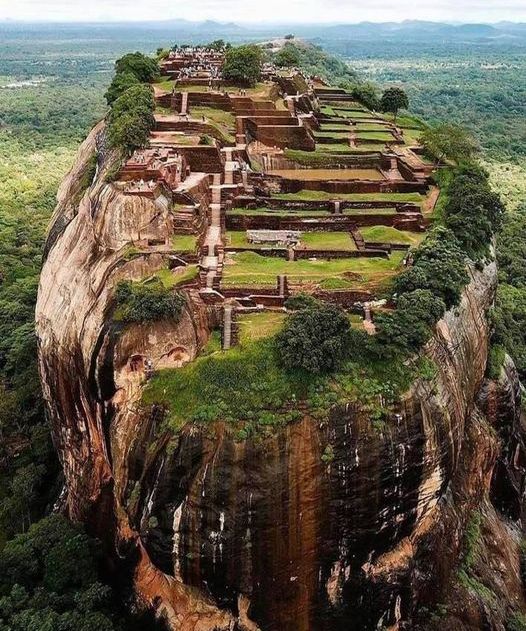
pixel 393 100
pixel 243 65
pixel 316 339
pixel 144 68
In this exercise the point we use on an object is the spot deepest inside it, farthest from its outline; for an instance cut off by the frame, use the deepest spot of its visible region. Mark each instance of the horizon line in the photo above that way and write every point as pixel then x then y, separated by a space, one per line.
pixel 260 24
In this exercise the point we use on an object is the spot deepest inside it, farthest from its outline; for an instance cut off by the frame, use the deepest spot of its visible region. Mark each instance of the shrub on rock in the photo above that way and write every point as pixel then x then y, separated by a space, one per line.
pixel 140 303
pixel 121 82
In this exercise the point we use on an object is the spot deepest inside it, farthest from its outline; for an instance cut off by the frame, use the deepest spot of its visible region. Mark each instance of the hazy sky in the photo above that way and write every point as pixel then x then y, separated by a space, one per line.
pixel 257 11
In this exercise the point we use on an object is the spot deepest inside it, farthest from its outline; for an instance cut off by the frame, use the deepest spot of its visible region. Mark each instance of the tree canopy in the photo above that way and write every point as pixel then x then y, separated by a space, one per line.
pixel 288 56
pixel 393 100
pixel 120 83
pixel 138 302
pixel 243 65
pixel 315 339
pixel 131 118
pixel 448 140
pixel 144 68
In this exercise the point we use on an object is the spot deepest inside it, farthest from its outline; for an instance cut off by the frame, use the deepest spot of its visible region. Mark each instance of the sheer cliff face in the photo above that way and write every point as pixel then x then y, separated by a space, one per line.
pixel 267 534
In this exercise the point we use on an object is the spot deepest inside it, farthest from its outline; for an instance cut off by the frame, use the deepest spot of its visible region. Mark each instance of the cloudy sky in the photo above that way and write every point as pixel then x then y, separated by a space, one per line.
pixel 269 11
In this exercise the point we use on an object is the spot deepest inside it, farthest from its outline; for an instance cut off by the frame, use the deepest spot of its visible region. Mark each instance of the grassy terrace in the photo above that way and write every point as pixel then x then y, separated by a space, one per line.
pixel 309 213
pixel 249 269
pixel 327 241
pixel 223 121
pixel 386 234
pixel 260 89
pixel 173 278
pixel 184 242
pixel 332 134
pixel 238 239
pixel 375 135
pixel 309 240
pixel 277 213
pixel 327 155
pixel 306 195
pixel 335 127
pixel 328 174
pixel 246 388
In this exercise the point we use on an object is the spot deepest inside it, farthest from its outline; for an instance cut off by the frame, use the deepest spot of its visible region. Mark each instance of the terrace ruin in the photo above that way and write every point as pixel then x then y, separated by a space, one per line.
pixel 290 186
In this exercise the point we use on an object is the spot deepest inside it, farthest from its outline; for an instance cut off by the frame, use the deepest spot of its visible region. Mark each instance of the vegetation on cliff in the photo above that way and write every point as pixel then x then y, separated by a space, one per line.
pixel 316 338
pixel 146 302
pixel 131 118
pixel 509 315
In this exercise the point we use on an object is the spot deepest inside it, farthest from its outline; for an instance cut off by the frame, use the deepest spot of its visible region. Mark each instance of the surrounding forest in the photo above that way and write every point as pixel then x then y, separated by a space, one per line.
pixel 52 86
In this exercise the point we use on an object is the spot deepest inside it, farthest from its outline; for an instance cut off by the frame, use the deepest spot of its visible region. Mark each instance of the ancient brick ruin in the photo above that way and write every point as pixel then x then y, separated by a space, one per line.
pixel 291 155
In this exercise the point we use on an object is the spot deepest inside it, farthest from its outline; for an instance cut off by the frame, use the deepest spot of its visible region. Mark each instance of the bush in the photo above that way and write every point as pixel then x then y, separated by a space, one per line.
pixel 439 266
pixel 301 301
pixel 206 140
pixel 409 327
pixel 243 65
pixel 366 94
pixel 473 212
pixel 448 140
pixel 315 339
pixel 138 302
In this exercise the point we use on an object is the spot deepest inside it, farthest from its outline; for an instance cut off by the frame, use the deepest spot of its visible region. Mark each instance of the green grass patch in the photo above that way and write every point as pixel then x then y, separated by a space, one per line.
pixel 306 195
pixel 223 121
pixel 165 84
pixel 328 241
pixel 251 269
pixel 387 234
pixel 173 278
pixel 374 135
pixel 246 387
pixel 276 213
pixel 256 326
pixel 331 134
pixel 184 242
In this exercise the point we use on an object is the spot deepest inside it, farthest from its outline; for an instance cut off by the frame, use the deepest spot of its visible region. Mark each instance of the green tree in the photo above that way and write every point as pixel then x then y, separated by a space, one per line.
pixel 144 68
pixel 288 56
pixel 410 326
pixel 439 265
pixel 121 82
pixel 315 339
pixel 473 212
pixel 49 580
pixel 393 100
pixel 131 118
pixel 217 45
pixel 243 65
pixel 367 94
pixel 448 140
